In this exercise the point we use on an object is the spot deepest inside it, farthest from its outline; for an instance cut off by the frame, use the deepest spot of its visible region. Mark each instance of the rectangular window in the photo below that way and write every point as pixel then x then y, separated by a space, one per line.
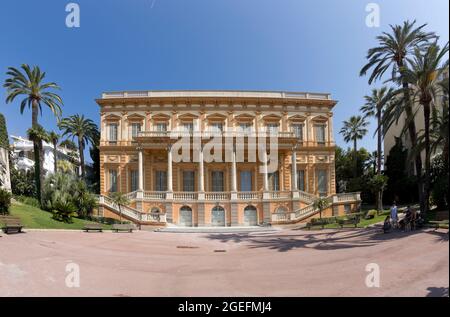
pixel 272 128
pixel 188 181
pixel 135 129
pixel 322 182
pixel 298 131
pixel 274 181
pixel 216 127
pixel 246 181
pixel 112 181
pixel 320 133
pixel 161 181
pixel 113 131
pixel 217 181
pixel 161 126
pixel 188 127
pixel 301 180
pixel 347 208
pixel 134 176
pixel 245 127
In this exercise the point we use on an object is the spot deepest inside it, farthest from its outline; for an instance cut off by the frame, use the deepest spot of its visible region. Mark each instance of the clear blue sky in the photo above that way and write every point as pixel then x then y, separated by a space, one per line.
pixel 314 45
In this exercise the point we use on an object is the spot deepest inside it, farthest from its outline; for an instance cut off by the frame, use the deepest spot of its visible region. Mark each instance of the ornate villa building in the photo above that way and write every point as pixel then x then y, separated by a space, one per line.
pixel 272 157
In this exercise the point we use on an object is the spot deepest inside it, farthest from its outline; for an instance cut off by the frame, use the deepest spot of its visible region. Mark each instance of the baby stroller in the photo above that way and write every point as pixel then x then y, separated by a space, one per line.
pixel 387 225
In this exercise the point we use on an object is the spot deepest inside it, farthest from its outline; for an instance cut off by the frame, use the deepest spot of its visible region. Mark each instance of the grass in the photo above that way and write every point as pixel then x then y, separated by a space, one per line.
pixel 364 223
pixel 35 218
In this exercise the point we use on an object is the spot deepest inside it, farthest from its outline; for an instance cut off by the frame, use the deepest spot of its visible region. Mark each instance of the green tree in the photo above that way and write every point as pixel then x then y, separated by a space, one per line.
pixel 321 204
pixel 29 83
pixel 54 138
pixel 120 199
pixel 85 130
pixel 353 130
pixel 37 134
pixel 4 139
pixel 392 53
pixel 423 77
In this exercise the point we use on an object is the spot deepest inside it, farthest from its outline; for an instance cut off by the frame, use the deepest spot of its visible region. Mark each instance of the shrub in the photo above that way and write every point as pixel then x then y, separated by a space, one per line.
pixel 66 196
pixel 5 201
pixel 371 214
pixel 31 201
pixel 23 183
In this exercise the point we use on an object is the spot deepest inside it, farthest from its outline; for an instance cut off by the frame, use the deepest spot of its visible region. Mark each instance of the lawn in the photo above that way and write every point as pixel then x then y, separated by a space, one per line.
pixel 35 218
pixel 364 222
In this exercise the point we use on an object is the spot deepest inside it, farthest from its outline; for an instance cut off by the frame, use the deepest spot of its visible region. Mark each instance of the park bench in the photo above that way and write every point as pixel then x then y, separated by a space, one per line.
pixel 350 219
pixel 123 227
pixel 92 227
pixel 11 223
pixel 322 222
pixel 443 224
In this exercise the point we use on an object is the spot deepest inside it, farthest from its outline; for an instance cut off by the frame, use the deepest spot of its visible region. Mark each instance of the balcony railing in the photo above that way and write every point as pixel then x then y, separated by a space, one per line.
pixel 185 196
pixel 154 195
pixel 217 196
pixel 249 195
pixel 279 195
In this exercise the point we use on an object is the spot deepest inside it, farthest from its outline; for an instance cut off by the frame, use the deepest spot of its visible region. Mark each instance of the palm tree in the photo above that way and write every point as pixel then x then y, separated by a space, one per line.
pixel 38 134
pixel 54 138
pixel 393 52
pixel 353 130
pixel 375 103
pixel 423 77
pixel 374 106
pixel 29 84
pixel 321 204
pixel 82 128
pixel 120 199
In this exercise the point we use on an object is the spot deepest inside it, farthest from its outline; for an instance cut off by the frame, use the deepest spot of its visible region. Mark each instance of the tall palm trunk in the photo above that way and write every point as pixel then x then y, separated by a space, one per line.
pixel 380 192
pixel 81 149
pixel 413 137
pixel 55 159
pixel 355 157
pixel 38 156
pixel 426 113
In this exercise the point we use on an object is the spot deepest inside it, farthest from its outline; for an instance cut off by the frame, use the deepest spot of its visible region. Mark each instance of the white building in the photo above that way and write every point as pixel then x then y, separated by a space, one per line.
pixel 23 154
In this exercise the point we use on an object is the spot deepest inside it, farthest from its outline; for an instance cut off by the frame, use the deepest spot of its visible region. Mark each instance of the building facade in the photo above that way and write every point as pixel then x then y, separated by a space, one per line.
pixel 218 158
pixel 23 155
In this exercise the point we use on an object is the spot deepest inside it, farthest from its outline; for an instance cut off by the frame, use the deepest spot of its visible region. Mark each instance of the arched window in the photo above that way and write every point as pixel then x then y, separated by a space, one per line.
pixel 185 217
pixel 218 216
pixel 281 210
pixel 250 216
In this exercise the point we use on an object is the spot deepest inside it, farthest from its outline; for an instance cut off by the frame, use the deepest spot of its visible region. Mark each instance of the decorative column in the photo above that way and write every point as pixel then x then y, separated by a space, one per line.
pixel 266 176
pixel 201 175
pixel 294 180
pixel 169 173
pixel 140 191
pixel 233 175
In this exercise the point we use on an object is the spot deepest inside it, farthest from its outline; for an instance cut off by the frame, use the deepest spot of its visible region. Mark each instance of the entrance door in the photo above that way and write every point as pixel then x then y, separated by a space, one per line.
pixel 185 216
pixel 218 217
pixel 250 216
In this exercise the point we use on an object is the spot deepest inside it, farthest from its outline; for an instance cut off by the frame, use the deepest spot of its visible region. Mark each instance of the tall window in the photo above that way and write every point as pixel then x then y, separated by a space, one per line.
pixel 112 181
pixel 320 133
pixel 113 131
pixel 298 131
pixel 161 181
pixel 245 127
pixel 216 127
pixel 274 181
pixel 134 176
pixel 272 128
pixel 161 126
pixel 301 180
pixel 135 129
pixel 322 182
pixel 217 181
pixel 246 181
pixel 188 127
pixel 188 181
